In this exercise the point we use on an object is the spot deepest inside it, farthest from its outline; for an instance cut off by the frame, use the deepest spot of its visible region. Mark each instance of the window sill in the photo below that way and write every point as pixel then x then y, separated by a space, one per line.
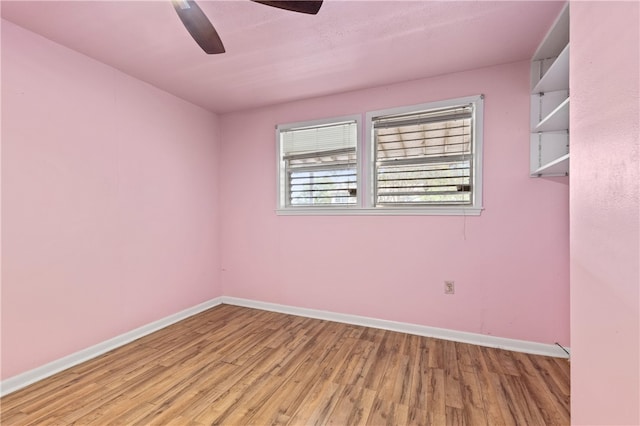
pixel 381 211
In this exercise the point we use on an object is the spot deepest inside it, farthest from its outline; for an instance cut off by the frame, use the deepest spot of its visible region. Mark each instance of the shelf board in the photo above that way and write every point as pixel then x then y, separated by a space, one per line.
pixel 557 37
pixel 558 119
pixel 557 77
pixel 557 167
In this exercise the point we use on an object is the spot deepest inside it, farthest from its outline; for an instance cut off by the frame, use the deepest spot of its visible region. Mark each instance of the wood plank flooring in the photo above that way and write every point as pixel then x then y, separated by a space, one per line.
pixel 237 366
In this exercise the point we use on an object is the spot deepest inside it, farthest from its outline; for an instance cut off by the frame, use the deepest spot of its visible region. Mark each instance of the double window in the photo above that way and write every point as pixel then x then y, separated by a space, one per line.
pixel 424 159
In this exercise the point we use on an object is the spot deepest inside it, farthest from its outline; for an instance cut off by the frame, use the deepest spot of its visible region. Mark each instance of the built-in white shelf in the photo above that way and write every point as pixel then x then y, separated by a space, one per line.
pixel 557 76
pixel 558 119
pixel 546 149
pixel 557 37
pixel 557 167
pixel 549 142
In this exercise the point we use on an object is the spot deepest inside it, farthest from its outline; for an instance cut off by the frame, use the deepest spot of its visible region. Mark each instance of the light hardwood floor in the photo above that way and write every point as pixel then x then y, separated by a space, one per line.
pixel 237 366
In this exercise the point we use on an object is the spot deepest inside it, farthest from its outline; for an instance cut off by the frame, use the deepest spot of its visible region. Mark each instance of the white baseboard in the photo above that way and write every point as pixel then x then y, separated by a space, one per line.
pixel 420 330
pixel 14 383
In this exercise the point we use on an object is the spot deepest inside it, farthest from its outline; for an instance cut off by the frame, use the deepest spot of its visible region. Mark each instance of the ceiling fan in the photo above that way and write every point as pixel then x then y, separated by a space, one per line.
pixel 202 31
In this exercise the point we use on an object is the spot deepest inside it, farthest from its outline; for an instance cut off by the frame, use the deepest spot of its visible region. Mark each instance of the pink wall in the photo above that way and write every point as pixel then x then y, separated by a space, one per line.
pixel 605 213
pixel 109 202
pixel 510 265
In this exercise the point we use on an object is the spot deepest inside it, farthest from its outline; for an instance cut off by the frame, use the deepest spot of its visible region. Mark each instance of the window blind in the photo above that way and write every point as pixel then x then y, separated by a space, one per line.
pixel 320 164
pixel 424 158
pixel 328 137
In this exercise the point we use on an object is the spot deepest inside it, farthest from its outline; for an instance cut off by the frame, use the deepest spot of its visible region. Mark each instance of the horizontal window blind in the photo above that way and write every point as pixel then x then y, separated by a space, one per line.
pixel 424 158
pixel 320 164
pixel 313 139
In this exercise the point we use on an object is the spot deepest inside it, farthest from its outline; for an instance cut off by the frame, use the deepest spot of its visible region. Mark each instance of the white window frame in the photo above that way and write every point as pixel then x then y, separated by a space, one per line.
pixel 365 153
pixel 473 209
pixel 282 207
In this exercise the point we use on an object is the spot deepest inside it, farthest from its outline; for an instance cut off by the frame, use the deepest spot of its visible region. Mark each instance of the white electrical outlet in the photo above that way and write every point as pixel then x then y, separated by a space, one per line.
pixel 449 287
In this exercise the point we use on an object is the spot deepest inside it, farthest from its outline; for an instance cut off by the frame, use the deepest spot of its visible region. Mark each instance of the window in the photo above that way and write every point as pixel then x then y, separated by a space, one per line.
pixel 318 164
pixel 422 159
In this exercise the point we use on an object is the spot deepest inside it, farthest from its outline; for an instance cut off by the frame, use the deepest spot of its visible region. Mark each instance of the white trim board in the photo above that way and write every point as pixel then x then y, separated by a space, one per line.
pixel 19 381
pixel 420 330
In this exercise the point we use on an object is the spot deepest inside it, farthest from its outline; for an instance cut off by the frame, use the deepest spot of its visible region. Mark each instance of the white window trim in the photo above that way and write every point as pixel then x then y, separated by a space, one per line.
pixel 365 168
pixel 281 207
pixel 368 150
pixel 380 211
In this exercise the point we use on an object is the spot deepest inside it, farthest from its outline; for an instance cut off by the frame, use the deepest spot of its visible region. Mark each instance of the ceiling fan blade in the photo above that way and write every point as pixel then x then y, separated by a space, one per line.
pixel 302 6
pixel 198 25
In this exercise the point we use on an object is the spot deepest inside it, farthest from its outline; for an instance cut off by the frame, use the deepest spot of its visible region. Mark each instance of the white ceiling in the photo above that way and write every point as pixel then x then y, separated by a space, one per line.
pixel 276 56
